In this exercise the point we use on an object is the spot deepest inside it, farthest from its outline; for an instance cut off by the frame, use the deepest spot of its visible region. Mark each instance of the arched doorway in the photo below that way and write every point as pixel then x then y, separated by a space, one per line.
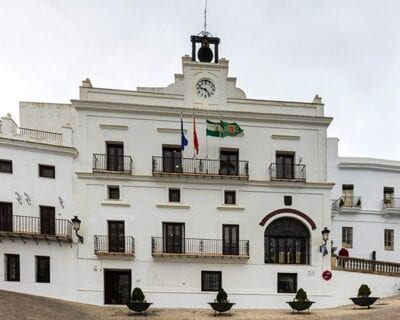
pixel 287 241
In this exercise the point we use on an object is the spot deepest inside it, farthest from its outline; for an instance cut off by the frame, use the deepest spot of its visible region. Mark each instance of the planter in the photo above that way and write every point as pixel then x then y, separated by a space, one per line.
pixel 221 306
pixel 138 306
pixel 300 305
pixel 364 301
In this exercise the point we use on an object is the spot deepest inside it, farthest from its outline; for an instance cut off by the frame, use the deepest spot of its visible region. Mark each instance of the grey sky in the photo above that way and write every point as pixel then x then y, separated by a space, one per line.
pixel 346 51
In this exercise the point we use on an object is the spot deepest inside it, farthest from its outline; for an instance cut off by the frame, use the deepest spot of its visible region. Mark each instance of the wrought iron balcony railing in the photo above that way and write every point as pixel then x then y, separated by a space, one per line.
pixel 105 245
pixel 112 163
pixel 36 228
pixel 200 167
pixel 189 247
pixel 391 203
pixel 294 172
pixel 348 202
pixel 40 135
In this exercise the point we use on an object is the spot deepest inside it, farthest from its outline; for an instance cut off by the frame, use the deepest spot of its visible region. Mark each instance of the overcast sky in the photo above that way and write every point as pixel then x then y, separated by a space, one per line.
pixel 346 51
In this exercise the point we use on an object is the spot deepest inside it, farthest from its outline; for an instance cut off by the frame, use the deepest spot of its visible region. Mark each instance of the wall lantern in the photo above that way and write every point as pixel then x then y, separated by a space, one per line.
pixel 76 225
pixel 325 234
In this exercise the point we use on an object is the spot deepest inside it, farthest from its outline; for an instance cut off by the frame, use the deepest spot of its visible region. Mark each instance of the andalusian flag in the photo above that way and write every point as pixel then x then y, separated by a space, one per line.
pixel 223 129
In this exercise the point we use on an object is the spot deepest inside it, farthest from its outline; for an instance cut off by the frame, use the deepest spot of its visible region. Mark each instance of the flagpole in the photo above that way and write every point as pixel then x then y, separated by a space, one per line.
pixel 219 138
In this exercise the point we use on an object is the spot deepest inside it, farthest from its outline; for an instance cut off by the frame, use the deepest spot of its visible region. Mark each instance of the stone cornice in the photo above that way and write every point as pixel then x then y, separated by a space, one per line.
pixel 217 182
pixel 358 165
pixel 43 147
pixel 172 110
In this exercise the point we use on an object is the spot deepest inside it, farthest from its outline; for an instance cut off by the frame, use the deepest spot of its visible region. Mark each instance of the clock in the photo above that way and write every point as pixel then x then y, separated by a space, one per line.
pixel 205 88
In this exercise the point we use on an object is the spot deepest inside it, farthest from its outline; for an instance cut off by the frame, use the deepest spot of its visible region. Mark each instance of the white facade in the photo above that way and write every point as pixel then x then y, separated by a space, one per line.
pixel 93 132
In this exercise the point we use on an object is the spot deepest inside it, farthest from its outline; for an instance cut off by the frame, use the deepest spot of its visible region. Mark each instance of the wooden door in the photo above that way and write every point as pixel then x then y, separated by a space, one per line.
pixel 284 166
pixel 172 159
pixel 115 156
pixel 117 286
pixel 173 236
pixel 229 162
pixel 6 218
pixel 47 220
pixel 116 236
pixel 230 239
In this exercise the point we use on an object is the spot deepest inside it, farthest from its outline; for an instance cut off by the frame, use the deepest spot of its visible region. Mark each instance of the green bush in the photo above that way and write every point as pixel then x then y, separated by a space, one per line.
pixel 301 295
pixel 364 291
pixel 222 296
pixel 137 295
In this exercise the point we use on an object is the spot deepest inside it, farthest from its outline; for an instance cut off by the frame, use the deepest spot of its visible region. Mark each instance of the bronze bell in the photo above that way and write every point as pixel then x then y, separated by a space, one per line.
pixel 205 53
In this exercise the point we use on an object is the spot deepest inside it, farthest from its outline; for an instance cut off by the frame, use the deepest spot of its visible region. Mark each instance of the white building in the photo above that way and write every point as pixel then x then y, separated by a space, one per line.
pixel 245 214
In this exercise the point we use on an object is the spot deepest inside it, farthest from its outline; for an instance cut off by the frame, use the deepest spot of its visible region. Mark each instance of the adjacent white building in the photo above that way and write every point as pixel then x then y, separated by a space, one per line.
pixel 246 213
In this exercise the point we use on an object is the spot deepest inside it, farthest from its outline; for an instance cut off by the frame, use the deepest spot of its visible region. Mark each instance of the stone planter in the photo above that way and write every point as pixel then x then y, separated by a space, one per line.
pixel 221 307
pixel 300 305
pixel 138 306
pixel 364 301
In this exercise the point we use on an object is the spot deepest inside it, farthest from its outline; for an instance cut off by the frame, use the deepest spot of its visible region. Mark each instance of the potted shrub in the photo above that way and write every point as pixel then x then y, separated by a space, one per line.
pixel 221 302
pixel 363 298
pixel 300 301
pixel 137 301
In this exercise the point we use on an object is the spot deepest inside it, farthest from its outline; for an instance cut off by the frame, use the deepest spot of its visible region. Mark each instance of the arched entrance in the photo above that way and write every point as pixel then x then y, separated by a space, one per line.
pixel 287 241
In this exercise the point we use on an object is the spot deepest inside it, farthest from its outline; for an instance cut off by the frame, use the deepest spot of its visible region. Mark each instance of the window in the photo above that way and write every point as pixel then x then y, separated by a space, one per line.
pixel 172 159
pixel 174 195
pixel 285 165
pixel 42 269
pixel 115 156
pixel 389 239
pixel 287 200
pixel 287 242
pixel 388 197
pixel 287 282
pixel 211 280
pixel 6 218
pixel 116 236
pixel 173 237
pixel 46 171
pixel 347 195
pixel 230 239
pixel 229 162
pixel 229 197
pixel 113 192
pixel 12 267
pixel 6 166
pixel 347 237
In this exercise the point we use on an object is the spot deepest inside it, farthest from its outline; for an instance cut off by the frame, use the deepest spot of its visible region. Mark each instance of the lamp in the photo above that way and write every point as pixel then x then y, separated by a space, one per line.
pixel 76 225
pixel 325 234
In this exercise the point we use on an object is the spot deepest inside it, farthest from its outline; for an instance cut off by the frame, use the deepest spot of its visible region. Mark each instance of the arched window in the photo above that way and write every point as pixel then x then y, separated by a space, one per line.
pixel 287 241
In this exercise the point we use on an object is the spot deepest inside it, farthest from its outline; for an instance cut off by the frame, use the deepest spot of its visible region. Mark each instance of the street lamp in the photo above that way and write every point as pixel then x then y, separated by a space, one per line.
pixel 325 234
pixel 76 225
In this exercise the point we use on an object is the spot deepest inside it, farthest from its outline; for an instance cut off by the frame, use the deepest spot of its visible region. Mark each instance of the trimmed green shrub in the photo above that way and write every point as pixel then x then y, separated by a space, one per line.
pixel 137 295
pixel 364 291
pixel 222 296
pixel 301 295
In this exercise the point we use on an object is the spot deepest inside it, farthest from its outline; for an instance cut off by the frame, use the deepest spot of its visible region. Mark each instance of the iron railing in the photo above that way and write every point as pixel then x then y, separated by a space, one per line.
pixel 199 247
pixel 112 163
pixel 367 266
pixel 201 167
pixel 294 172
pixel 35 226
pixel 348 202
pixel 40 135
pixel 114 245
pixel 391 203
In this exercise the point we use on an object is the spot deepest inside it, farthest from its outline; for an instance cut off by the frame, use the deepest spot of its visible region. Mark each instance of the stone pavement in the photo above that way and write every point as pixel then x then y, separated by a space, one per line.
pixel 16 306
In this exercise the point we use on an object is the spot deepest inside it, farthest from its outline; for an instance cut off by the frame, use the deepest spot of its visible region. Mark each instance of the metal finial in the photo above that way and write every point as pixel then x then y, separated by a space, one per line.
pixel 205 16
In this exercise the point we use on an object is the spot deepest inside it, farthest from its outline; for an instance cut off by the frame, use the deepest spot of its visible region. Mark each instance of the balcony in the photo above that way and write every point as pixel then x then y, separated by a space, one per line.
pixel 391 206
pixel 347 204
pixel 285 172
pixel 114 246
pixel 25 228
pixel 197 248
pixel 366 266
pixel 164 166
pixel 112 163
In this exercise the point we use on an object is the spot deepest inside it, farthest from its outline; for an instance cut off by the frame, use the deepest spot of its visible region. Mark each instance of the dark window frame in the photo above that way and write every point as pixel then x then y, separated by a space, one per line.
pixel 43 168
pixel 388 240
pixel 230 239
pixel 6 216
pixel 4 164
pixel 173 237
pixel 281 282
pixel 229 162
pixel 112 191
pixel 42 271
pixel 174 195
pixel 348 235
pixel 8 265
pixel 288 200
pixel 230 194
pixel 205 286
pixel 285 164
pixel 115 156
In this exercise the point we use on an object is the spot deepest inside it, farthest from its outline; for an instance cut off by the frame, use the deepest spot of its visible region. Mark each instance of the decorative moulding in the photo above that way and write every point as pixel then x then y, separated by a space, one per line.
pixel 170 130
pixel 284 137
pixel 114 126
pixel 173 205
pixel 115 203
pixel 229 207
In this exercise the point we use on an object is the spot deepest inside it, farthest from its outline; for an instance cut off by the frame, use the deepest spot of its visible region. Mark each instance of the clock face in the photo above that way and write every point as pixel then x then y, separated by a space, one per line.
pixel 205 88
